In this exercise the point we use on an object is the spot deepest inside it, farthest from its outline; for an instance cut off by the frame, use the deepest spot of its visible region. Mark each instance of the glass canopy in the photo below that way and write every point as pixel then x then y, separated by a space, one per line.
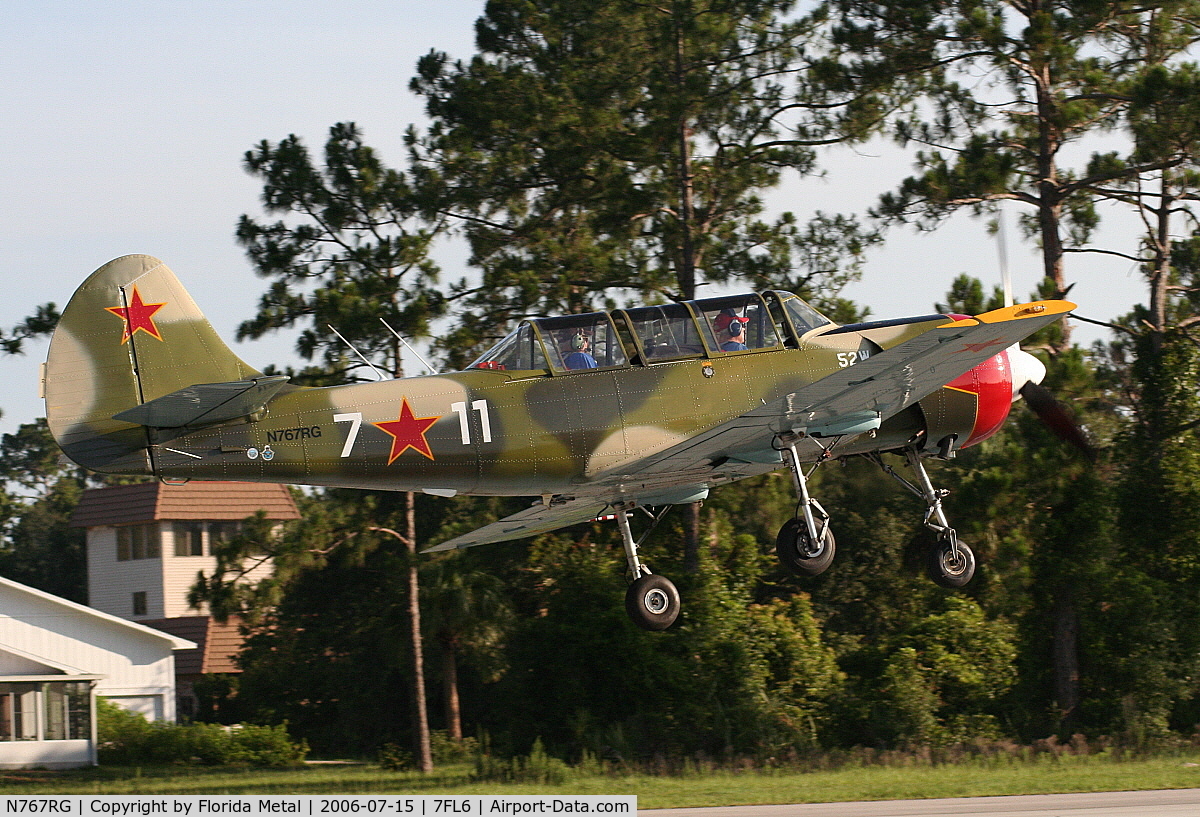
pixel 708 327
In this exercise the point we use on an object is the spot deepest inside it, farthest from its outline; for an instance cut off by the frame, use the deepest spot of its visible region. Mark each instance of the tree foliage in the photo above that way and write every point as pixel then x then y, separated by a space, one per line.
pixel 40 324
pixel 618 149
pixel 1017 83
pixel 602 152
pixel 599 153
pixel 37 497
pixel 348 255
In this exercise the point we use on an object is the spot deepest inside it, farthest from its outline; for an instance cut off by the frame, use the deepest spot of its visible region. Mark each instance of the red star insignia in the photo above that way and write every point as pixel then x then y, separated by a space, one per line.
pixel 982 347
pixel 408 432
pixel 138 316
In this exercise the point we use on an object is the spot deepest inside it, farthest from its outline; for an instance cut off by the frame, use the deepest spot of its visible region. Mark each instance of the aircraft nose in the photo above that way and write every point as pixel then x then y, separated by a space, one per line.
pixel 1025 369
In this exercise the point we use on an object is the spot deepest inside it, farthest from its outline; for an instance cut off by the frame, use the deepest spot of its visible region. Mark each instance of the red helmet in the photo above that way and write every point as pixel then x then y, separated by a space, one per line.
pixel 727 317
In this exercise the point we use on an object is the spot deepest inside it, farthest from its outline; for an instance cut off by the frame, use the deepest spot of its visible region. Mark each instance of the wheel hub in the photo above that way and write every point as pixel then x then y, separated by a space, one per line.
pixel 656 601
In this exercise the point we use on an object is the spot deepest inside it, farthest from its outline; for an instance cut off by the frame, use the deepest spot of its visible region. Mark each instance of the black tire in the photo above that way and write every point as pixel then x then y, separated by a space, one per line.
pixel 652 602
pixel 947 571
pixel 795 551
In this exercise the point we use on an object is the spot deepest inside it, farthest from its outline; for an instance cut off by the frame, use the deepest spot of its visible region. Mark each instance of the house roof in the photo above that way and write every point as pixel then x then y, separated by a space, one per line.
pixel 218 644
pixel 151 501
pixel 73 608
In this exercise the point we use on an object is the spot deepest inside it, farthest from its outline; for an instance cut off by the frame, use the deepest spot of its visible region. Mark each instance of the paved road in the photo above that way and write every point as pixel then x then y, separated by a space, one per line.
pixel 1170 803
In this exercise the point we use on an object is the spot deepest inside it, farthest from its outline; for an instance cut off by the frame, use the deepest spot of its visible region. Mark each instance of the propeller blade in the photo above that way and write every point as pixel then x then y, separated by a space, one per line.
pixel 1057 417
pixel 1002 250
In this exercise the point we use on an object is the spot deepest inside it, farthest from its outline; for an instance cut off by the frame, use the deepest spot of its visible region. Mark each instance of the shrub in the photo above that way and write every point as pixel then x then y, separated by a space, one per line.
pixel 126 738
pixel 447 750
pixel 264 746
pixel 537 767
pixel 395 758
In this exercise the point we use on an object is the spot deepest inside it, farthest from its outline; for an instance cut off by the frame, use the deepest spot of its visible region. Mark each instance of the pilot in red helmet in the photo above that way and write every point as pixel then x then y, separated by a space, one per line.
pixel 731 331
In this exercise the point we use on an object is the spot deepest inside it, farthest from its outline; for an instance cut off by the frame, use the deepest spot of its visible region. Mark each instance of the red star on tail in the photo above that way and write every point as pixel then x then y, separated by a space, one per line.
pixel 138 316
pixel 408 432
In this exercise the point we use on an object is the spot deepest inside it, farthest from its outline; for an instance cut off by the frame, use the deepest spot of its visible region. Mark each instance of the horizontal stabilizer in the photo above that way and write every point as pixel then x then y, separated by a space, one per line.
pixel 205 403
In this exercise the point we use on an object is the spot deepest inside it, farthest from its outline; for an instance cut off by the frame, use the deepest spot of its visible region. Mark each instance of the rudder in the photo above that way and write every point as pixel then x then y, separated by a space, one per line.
pixel 131 333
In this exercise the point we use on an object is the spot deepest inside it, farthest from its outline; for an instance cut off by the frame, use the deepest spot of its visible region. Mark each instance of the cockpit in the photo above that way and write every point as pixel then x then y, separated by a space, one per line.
pixel 708 327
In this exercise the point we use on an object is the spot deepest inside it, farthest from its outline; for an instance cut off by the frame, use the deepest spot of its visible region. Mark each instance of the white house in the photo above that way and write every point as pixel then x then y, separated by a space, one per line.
pixel 55 657
pixel 147 542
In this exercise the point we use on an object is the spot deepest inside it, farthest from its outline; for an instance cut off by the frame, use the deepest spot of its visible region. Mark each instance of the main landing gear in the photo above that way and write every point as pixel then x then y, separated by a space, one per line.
pixel 806 546
pixel 651 601
pixel 949 563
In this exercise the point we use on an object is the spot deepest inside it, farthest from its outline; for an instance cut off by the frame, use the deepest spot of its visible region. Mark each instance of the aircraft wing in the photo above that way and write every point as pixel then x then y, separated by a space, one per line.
pixel 880 386
pixel 530 522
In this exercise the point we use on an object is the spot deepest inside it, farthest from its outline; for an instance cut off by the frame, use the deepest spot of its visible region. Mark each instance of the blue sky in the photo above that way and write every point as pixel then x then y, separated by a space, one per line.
pixel 124 125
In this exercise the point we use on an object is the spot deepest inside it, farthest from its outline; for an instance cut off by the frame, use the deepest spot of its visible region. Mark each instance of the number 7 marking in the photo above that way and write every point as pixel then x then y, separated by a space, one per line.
pixel 354 418
pixel 464 422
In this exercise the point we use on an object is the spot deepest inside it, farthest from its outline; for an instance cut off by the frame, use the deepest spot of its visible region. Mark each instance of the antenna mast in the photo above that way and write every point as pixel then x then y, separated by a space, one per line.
pixel 378 374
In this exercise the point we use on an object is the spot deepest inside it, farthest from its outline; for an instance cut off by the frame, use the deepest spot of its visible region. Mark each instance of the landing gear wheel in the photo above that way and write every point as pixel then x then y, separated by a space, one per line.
pixel 947 568
pixel 796 550
pixel 652 602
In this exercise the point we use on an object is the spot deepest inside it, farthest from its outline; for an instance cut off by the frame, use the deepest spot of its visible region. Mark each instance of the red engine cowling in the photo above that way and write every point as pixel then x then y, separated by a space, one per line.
pixel 992 382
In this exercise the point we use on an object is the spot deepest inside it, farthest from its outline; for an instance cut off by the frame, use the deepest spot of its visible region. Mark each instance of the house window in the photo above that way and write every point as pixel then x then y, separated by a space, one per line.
pixel 137 542
pixel 222 531
pixel 68 711
pixel 65 711
pixel 18 711
pixel 139 603
pixel 188 540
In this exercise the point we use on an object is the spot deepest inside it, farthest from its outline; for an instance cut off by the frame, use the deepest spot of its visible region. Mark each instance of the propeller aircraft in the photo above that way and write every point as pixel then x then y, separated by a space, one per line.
pixel 589 415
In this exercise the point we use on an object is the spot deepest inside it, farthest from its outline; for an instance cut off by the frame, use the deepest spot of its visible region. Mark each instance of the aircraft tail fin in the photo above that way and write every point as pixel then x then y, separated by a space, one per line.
pixel 130 335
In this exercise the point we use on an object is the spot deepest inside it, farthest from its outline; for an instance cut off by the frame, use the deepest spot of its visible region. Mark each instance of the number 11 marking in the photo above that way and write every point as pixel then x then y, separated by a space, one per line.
pixel 464 421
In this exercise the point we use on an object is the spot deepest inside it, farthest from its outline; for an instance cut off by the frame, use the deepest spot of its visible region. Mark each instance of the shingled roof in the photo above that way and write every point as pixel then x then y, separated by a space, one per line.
pixel 217 644
pixel 150 501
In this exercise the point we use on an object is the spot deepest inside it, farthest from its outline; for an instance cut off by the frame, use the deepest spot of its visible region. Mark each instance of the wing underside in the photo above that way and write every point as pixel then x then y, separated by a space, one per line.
pixel 540 518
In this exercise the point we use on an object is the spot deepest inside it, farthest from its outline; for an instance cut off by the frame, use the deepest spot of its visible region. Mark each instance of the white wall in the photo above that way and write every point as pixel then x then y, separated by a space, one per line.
pixel 111 584
pixel 179 574
pixel 133 660
pixel 48 754
pixel 148 706
pixel 165 581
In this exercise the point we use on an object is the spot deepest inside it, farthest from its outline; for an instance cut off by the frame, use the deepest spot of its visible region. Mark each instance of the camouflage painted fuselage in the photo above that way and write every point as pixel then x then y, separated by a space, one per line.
pixel 131 336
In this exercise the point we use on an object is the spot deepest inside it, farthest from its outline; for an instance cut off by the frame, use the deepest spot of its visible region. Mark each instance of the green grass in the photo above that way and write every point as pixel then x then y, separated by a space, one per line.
pixel 971 778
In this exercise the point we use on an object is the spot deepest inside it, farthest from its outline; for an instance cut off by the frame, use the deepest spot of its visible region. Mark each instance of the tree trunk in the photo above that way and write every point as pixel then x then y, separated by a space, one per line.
pixel 1050 194
pixel 450 680
pixel 423 751
pixel 685 272
pixel 1066 658
pixel 691 537
pixel 1160 274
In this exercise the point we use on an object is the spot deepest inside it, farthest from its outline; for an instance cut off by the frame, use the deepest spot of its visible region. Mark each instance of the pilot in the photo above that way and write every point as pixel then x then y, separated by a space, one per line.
pixel 580 357
pixel 731 331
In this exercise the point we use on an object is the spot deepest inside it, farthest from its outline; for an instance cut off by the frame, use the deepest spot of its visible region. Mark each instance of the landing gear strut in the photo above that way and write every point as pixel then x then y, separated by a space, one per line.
pixel 651 601
pixel 805 545
pixel 949 563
